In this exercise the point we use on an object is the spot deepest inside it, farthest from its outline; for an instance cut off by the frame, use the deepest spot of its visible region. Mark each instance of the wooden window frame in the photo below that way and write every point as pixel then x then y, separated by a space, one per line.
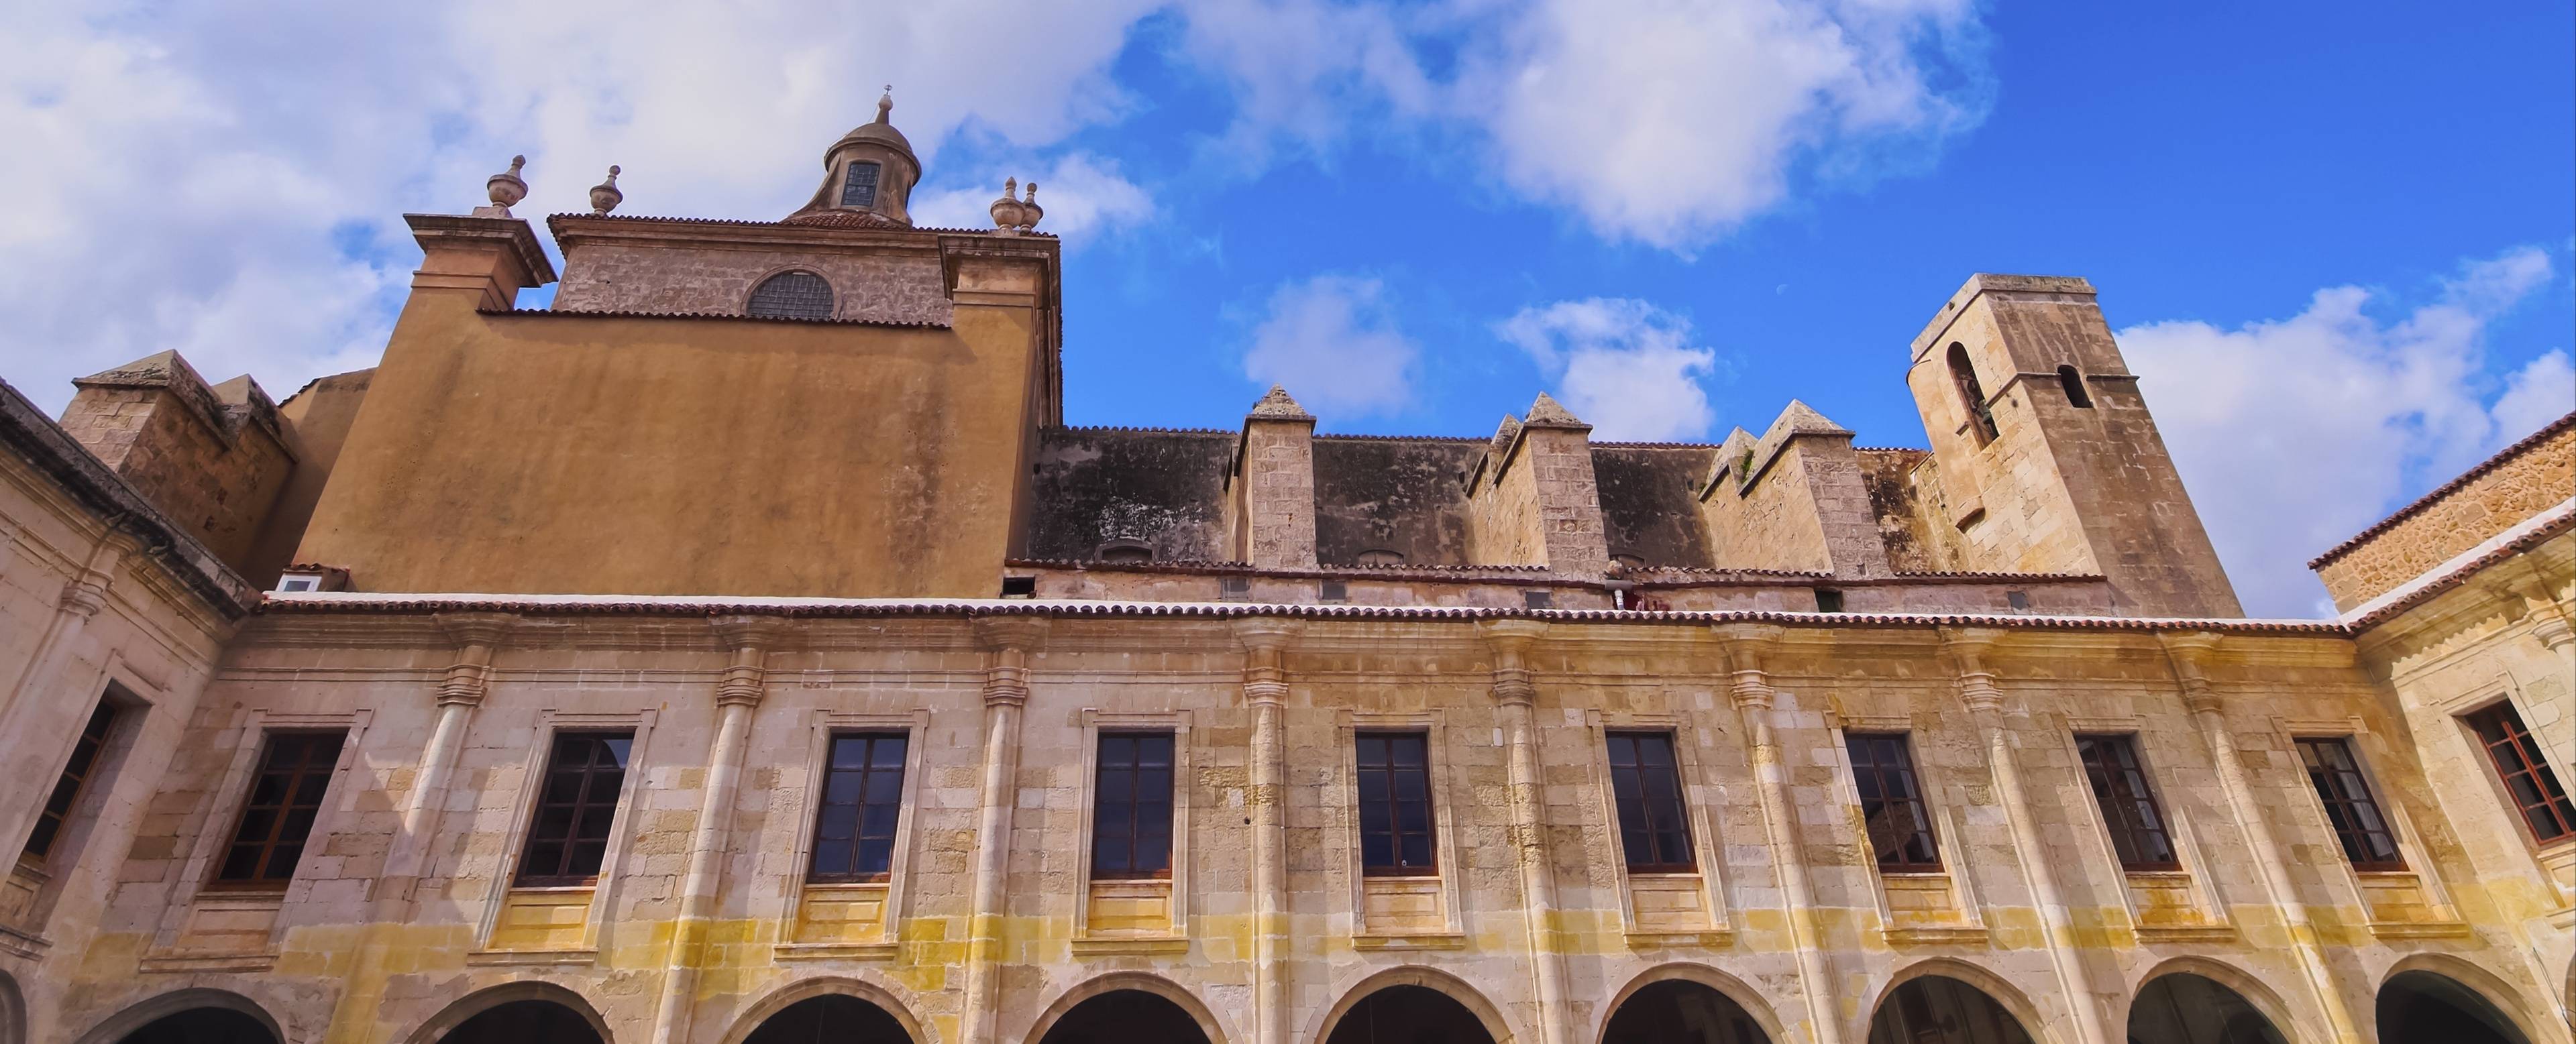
pixel 2513 753
pixel 867 773
pixel 2343 789
pixel 1894 860
pixel 582 806
pixel 325 766
pixel 1392 772
pixel 89 753
pixel 2120 802
pixel 1105 811
pixel 1652 812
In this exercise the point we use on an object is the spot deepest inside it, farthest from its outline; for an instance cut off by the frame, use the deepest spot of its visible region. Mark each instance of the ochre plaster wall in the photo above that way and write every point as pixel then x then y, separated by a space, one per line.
pixel 587 454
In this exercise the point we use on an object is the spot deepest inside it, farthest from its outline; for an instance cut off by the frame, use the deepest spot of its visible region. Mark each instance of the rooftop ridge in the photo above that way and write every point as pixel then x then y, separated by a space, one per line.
pixel 2525 445
pixel 783 223
pixel 1140 430
pixel 617 314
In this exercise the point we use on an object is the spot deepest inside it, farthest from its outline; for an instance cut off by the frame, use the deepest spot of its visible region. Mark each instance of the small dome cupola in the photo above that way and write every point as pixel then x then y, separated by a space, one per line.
pixel 867 175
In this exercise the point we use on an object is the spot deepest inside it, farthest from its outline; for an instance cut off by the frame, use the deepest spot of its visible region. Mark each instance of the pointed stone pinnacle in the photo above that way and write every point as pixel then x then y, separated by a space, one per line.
pixel 1276 404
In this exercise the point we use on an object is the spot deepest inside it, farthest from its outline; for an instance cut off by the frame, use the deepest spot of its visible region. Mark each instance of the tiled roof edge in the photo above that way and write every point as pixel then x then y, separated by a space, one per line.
pixel 746 223
pixel 2528 443
pixel 1441 572
pixel 1122 429
pixel 856 608
pixel 2373 616
pixel 578 313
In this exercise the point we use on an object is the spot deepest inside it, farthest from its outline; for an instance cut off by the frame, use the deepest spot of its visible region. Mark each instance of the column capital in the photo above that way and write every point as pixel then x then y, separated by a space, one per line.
pixel 1747 644
pixel 1968 648
pixel 83 597
pixel 469 630
pixel 747 631
pixel 1267 634
pixel 1019 634
pixel 2190 652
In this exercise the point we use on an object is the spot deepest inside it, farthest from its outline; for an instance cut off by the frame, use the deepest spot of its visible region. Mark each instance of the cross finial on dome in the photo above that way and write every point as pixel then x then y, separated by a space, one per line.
pixel 885 105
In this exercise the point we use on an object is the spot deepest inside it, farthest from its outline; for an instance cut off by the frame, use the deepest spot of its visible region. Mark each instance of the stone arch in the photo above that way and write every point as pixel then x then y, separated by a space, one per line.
pixel 1733 988
pixel 825 986
pixel 144 1013
pixel 1433 979
pixel 2251 987
pixel 483 1000
pixel 2507 1000
pixel 2040 1028
pixel 13 1012
pixel 1141 982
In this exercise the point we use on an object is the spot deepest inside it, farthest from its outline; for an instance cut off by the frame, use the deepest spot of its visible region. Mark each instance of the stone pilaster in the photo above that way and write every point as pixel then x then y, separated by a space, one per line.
pixel 2189 654
pixel 1272 507
pixel 1008 641
pixel 737 694
pixel 1515 698
pixel 1746 646
pixel 1265 690
pixel 1535 500
pixel 1969 649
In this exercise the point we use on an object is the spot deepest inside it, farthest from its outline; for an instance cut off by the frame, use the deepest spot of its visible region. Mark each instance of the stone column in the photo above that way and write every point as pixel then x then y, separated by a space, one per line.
pixel 2190 654
pixel 737 696
pixel 27 769
pixel 1745 645
pixel 389 904
pixel 1265 690
pixel 1007 641
pixel 1968 647
pixel 1515 698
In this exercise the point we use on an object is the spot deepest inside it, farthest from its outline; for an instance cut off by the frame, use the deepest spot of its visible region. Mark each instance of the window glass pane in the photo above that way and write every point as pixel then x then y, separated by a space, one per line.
pixel 278 813
pixel 1899 824
pixel 1395 814
pixel 859 808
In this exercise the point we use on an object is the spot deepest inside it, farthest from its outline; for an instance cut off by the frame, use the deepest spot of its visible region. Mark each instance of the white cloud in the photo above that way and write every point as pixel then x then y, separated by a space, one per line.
pixel 2542 391
pixel 1658 121
pixel 1623 365
pixel 1333 343
pixel 2293 434
pixel 1084 196
pixel 227 179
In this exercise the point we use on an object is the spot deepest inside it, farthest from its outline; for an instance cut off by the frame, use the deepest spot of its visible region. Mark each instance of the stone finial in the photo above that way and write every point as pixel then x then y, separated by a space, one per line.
pixel 507 187
pixel 1276 405
pixel 1548 413
pixel 1008 210
pixel 1030 212
pixel 885 105
pixel 605 197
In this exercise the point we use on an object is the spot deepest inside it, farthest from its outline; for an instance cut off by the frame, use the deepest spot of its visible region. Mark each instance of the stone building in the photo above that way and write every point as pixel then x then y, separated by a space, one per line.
pixel 743 650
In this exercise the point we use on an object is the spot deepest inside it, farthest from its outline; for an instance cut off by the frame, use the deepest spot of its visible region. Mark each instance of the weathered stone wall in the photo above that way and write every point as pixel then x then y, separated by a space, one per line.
pixel 1276 481
pixel 1165 488
pixel 315 421
pixel 2515 486
pixel 1983 920
pixel 215 463
pixel 1904 527
pixel 1408 496
pixel 1772 524
pixel 1647 498
pixel 707 279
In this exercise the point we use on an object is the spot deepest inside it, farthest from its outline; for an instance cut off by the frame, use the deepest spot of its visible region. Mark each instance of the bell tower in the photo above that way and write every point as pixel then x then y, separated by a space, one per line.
pixel 2048 461
pixel 869 173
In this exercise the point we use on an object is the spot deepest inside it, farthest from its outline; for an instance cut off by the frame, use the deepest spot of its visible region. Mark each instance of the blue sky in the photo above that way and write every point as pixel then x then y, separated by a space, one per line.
pixel 2336 238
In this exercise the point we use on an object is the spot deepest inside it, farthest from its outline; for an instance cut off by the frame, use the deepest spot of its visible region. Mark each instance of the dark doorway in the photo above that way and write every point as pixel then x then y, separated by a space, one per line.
pixel 1409 1015
pixel 1126 1017
pixel 203 1026
pixel 2423 1006
pixel 2182 1008
pixel 1937 1009
pixel 1677 1011
pixel 830 1019
pixel 518 1022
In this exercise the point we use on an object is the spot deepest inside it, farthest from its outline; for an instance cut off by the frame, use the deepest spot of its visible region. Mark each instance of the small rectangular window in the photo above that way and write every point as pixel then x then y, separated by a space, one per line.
pixel 1019 587
pixel 277 817
pixel 1538 599
pixel 1654 821
pixel 1891 802
pixel 1131 817
pixel 2528 779
pixel 2367 838
pixel 68 786
pixel 860 190
pixel 2128 803
pixel 862 803
pixel 1395 805
pixel 1234 589
pixel 585 774
pixel 1828 600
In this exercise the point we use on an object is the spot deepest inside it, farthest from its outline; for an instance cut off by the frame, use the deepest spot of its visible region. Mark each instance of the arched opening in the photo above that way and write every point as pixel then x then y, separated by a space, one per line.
pixel 2073 382
pixel 202 1026
pixel 2430 1006
pixel 1679 1011
pixel 1405 1014
pixel 833 1018
pixel 524 1020
pixel 791 295
pixel 1972 395
pixel 1937 1009
pixel 1126 1017
pixel 13 1012
pixel 2182 1008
